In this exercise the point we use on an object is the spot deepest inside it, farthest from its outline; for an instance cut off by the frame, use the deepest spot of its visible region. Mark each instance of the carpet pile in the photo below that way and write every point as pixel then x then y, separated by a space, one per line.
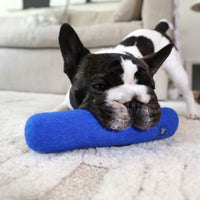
pixel 168 169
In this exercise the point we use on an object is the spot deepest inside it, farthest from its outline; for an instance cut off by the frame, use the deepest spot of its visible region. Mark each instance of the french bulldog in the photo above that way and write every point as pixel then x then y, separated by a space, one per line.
pixel 117 84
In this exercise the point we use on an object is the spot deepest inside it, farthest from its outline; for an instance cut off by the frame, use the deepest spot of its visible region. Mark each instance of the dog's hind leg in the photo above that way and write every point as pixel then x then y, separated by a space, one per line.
pixel 174 68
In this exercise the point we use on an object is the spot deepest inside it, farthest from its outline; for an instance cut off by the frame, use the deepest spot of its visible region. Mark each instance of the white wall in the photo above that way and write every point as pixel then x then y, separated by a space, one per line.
pixel 2 7
pixel 190 30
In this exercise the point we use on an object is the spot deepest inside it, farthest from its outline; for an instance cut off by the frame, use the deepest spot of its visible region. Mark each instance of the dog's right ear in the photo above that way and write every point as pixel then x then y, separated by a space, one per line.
pixel 156 59
pixel 72 49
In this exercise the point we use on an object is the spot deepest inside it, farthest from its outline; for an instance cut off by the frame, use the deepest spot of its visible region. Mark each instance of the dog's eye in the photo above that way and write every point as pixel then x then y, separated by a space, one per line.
pixel 99 87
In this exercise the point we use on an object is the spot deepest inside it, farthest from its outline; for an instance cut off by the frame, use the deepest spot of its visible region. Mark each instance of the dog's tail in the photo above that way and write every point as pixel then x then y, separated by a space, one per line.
pixel 163 26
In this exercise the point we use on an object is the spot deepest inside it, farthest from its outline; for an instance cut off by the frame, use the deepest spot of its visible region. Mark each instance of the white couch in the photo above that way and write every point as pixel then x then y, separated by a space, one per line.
pixel 30 58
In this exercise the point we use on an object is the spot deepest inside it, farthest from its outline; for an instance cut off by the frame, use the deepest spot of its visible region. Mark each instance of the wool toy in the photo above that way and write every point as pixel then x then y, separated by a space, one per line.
pixel 76 129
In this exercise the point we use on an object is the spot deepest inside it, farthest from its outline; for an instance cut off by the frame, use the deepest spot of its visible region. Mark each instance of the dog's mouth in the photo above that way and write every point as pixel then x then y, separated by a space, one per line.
pixel 116 115
pixel 140 115
pixel 144 116
pixel 120 117
pixel 136 114
pixel 117 101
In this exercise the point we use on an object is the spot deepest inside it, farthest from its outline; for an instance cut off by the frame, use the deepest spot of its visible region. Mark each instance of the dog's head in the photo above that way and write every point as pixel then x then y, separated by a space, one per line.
pixel 117 88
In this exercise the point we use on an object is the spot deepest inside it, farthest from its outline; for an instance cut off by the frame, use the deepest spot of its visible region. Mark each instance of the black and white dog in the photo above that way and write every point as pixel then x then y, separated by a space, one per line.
pixel 117 84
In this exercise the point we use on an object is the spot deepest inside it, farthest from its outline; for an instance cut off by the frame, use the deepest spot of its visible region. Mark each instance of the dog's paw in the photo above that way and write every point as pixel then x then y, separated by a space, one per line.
pixel 194 116
pixel 61 107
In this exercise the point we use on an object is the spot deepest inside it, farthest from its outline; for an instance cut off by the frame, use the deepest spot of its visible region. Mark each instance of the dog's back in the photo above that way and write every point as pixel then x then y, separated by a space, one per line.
pixel 143 42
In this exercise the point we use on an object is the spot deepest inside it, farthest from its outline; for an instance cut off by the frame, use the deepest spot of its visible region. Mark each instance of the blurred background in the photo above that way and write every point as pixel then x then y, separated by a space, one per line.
pixel 29 31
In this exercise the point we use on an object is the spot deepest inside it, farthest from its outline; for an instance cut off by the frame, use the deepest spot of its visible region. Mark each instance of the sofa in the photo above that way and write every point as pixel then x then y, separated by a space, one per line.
pixel 30 59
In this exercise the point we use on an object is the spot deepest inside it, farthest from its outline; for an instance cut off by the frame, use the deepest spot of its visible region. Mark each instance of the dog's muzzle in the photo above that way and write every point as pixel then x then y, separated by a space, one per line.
pixel 144 116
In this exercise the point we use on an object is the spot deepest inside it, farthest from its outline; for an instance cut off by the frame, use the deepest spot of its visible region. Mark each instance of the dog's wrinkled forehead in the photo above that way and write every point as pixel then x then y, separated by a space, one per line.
pixel 112 66
pixel 113 70
pixel 129 69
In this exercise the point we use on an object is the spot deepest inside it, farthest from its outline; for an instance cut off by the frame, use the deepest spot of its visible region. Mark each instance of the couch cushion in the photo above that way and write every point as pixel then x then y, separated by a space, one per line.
pixel 33 17
pixel 44 17
pixel 88 17
pixel 40 37
pixel 101 35
pixel 9 22
pixel 128 10
pixel 154 11
pixel 105 35
pixel 32 70
pixel 83 14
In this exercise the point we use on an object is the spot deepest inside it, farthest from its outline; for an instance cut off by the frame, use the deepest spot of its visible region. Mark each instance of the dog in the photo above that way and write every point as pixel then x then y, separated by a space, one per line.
pixel 117 84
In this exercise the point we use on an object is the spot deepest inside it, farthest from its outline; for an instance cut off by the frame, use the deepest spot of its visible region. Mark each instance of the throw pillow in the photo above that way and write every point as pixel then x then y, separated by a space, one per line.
pixel 128 10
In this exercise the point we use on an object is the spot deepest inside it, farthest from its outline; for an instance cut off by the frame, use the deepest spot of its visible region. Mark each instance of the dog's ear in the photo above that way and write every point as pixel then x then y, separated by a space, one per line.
pixel 71 48
pixel 155 60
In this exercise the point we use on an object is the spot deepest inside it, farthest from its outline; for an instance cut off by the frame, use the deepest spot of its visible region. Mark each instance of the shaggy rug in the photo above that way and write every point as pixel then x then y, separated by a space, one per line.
pixel 166 169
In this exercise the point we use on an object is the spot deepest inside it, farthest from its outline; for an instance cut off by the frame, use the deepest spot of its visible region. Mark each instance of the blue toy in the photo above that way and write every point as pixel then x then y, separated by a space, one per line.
pixel 76 129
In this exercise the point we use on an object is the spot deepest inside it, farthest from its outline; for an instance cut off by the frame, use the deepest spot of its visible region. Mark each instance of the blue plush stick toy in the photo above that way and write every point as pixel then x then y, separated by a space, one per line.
pixel 76 129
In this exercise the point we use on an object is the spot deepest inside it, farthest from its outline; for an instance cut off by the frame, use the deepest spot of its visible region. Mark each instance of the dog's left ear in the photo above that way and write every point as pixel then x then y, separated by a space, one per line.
pixel 155 60
pixel 72 49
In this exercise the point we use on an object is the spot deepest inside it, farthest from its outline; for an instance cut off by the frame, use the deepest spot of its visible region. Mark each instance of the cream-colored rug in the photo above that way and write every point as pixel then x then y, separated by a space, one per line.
pixel 167 169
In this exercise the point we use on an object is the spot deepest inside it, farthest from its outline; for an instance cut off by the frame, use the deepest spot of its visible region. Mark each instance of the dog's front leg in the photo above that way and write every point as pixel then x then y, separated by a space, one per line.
pixel 65 105
pixel 61 107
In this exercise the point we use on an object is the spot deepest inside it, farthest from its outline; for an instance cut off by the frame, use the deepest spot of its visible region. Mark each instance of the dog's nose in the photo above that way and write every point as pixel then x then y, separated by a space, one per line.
pixel 144 116
pixel 125 93
pixel 132 105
